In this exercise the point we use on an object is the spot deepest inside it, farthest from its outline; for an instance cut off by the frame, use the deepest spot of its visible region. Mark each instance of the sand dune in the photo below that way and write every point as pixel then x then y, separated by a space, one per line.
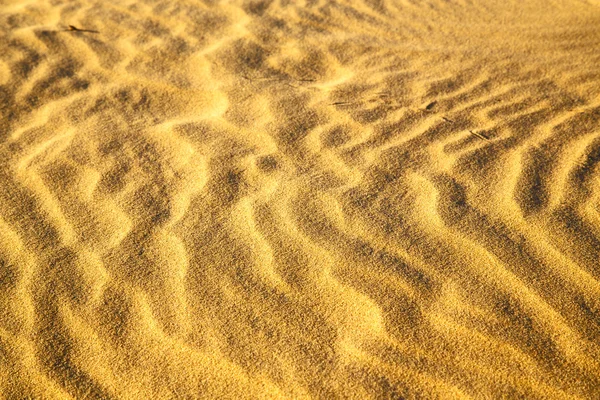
pixel 299 199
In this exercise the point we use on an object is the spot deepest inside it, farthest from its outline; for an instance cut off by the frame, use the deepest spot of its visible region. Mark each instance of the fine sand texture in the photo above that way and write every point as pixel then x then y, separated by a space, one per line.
pixel 307 199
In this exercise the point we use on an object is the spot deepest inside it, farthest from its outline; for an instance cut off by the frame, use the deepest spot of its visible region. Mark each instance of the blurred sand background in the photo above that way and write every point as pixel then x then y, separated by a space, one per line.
pixel 299 199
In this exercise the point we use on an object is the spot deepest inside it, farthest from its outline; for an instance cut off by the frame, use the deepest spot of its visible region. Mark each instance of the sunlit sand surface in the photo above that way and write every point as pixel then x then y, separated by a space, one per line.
pixel 299 199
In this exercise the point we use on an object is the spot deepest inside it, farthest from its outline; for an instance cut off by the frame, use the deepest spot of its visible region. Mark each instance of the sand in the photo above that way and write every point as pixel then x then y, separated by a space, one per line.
pixel 299 199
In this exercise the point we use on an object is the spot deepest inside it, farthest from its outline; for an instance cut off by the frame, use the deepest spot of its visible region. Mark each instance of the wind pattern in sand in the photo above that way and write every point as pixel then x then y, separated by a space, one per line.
pixel 299 199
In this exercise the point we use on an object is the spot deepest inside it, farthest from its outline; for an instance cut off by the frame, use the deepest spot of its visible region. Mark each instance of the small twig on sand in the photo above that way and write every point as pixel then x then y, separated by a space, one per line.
pixel 479 135
pixel 73 28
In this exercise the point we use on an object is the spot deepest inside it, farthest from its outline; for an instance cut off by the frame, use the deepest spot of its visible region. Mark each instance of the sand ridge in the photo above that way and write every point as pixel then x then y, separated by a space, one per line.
pixel 308 199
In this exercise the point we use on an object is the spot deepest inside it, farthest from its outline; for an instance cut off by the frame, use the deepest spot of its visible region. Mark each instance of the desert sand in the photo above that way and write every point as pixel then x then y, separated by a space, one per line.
pixel 326 199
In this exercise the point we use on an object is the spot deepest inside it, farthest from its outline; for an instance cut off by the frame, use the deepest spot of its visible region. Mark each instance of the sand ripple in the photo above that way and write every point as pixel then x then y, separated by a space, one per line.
pixel 311 199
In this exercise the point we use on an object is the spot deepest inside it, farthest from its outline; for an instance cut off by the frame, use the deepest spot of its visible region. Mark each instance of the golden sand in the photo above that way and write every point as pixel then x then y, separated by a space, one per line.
pixel 299 199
